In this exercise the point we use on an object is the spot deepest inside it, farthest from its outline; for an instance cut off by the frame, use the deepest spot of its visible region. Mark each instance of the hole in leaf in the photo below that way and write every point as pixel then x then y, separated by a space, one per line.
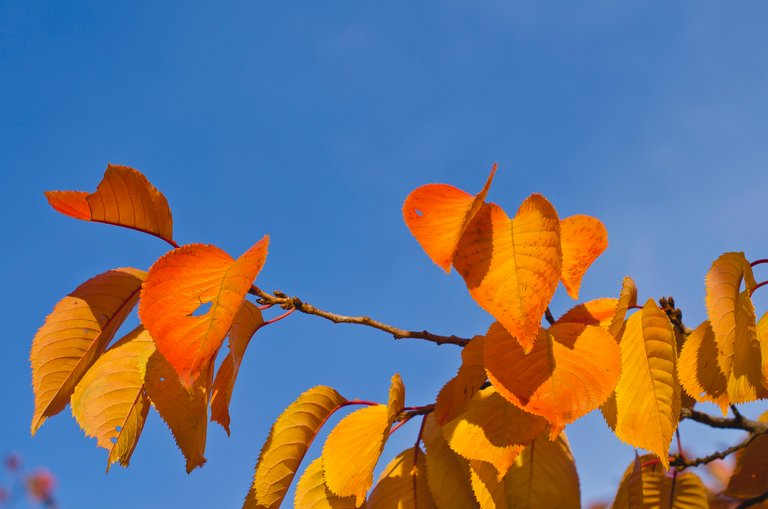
pixel 202 309
pixel 113 440
pixel 162 379
pixel 118 428
pixel 419 212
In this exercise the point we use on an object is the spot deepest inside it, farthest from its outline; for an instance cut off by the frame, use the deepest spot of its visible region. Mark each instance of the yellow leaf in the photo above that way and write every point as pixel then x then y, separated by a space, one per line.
pixel 438 215
pixel 288 441
pixel 311 492
pixel 75 334
pixel 746 380
pixel 682 490
pixel 697 368
pixel 184 409
pixel 447 472
pixel 110 403
pixel 245 324
pixel 183 281
pixel 124 197
pixel 750 478
pixel 583 238
pixel 571 370
pixel 460 389
pixel 723 283
pixel 512 267
pixel 627 299
pixel 396 398
pixel 493 430
pixel 543 477
pixel 648 393
pixel 352 450
pixel 403 484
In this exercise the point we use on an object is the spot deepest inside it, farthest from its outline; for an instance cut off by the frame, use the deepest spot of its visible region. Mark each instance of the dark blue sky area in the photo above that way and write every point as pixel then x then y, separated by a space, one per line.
pixel 312 122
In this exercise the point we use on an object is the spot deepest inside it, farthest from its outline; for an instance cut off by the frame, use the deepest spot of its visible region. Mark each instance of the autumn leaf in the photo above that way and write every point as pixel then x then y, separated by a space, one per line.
pixel 583 240
pixel 245 324
pixel 460 389
pixel 571 370
pixel 493 430
pixel 186 279
pixel 438 215
pixel 598 312
pixel 683 490
pixel 288 442
pixel 353 447
pixel 76 332
pixel 124 197
pixel 750 477
pixel 312 493
pixel 512 267
pixel 543 476
pixel 184 409
pixel 648 392
pixel 403 484
pixel 697 368
pixel 110 402
pixel 447 472
pixel 627 300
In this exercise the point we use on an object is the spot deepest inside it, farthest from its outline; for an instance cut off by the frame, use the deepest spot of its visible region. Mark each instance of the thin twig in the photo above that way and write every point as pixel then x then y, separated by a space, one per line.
pixel 286 302
pixel 681 462
pixel 753 501
pixel 712 421
pixel 548 316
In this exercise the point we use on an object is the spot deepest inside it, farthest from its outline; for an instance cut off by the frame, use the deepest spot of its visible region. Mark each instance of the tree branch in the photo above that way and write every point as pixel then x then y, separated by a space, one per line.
pixel 738 422
pixel 286 302
pixel 681 462
pixel 753 501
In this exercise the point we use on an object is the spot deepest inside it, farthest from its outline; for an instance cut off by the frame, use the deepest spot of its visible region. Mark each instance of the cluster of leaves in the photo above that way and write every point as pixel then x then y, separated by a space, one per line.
pixel 493 438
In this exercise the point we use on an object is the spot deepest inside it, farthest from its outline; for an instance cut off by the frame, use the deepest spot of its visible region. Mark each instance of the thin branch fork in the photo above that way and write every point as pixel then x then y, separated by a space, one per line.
pixel 288 303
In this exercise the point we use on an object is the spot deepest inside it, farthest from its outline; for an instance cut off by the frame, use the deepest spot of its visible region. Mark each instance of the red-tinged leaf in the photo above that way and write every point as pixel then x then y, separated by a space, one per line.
pixel 181 282
pixel 583 238
pixel 124 197
pixel 75 334
pixel 571 370
pixel 245 324
pixel 512 267
pixel 438 215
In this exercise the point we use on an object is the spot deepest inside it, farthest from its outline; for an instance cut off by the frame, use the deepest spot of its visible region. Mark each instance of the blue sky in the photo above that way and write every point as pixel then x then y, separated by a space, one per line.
pixel 312 123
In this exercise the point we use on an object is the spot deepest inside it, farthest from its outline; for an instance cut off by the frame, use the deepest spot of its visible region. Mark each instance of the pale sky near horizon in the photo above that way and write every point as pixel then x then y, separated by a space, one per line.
pixel 312 123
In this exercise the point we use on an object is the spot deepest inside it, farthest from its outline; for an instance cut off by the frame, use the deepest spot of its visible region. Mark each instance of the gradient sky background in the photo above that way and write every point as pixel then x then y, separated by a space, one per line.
pixel 312 123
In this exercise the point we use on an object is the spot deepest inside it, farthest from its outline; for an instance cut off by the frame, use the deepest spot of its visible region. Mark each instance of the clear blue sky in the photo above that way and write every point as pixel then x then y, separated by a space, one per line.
pixel 312 123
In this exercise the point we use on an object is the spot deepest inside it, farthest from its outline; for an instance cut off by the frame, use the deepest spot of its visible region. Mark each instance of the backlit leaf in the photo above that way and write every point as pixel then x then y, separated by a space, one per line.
pixel 447 472
pixel 697 368
pixel 460 389
pixel 682 490
pixel 583 238
pixel 750 478
pixel 288 441
pixel 124 197
pixel 109 402
pixel 403 484
pixel 627 300
pixel 598 312
pixel 184 280
pixel 396 398
pixel 184 409
pixel 311 492
pixel 543 477
pixel 648 392
pixel 438 215
pixel 245 324
pixel 493 430
pixel 571 370
pixel 76 332
pixel 512 267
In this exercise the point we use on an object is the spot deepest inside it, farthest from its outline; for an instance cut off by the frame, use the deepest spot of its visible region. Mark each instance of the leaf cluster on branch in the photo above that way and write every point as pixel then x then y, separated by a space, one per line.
pixel 494 437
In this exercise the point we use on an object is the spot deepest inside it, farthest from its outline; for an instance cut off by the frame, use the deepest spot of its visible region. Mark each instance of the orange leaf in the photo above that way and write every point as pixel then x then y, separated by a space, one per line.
pixel 181 282
pixel 512 267
pixel 571 370
pixel 312 493
pixel 750 477
pixel 447 472
pixel 583 238
pixel 124 197
pixel 598 312
pixel 438 215
pixel 396 398
pixel 245 324
pixel 75 334
pixel 460 389
pixel 184 409
pixel 403 484
pixel 493 430
pixel 697 368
